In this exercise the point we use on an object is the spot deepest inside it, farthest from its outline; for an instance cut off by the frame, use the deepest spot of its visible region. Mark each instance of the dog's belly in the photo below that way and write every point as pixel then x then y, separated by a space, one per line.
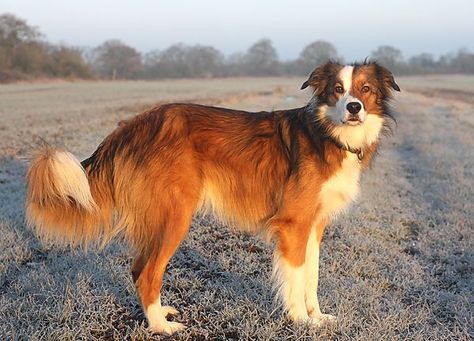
pixel 341 188
pixel 244 208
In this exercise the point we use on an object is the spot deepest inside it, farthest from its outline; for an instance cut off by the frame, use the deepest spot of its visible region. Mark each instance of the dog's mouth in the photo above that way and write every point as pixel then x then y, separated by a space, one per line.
pixel 352 121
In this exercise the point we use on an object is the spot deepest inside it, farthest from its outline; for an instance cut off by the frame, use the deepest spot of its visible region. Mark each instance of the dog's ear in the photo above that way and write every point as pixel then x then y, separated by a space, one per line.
pixel 305 85
pixel 318 79
pixel 387 78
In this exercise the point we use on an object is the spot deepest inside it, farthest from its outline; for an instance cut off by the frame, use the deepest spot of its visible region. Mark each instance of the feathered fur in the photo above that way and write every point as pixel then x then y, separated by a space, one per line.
pixel 284 173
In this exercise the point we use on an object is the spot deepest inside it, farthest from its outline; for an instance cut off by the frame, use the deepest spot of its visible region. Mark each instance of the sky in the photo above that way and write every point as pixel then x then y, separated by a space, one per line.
pixel 354 27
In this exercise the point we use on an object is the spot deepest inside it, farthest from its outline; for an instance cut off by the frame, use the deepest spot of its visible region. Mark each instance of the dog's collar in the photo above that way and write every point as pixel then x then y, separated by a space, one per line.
pixel 358 151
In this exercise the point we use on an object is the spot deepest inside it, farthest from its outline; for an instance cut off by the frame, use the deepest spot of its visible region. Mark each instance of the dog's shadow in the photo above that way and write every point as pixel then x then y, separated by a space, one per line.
pixel 191 280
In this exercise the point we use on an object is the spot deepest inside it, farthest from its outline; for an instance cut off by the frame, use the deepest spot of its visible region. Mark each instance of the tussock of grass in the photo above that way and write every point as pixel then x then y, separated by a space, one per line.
pixel 398 266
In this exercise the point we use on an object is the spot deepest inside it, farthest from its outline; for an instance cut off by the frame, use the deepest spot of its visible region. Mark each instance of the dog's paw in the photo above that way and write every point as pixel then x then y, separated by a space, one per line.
pixel 323 319
pixel 168 310
pixel 166 327
pixel 157 322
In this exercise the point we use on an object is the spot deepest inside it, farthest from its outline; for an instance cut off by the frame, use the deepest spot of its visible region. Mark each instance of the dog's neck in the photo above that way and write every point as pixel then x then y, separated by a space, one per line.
pixel 357 151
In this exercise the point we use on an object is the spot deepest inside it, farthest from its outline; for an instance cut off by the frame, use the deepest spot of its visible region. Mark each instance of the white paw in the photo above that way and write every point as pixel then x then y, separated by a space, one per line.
pixel 298 315
pixel 320 320
pixel 157 321
pixel 166 327
pixel 168 310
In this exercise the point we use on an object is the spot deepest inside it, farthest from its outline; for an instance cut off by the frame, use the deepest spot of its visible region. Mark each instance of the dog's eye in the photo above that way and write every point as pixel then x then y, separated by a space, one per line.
pixel 365 89
pixel 339 89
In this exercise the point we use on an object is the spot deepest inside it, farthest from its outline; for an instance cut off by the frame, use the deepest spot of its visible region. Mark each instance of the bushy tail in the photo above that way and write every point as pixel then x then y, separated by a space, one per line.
pixel 63 205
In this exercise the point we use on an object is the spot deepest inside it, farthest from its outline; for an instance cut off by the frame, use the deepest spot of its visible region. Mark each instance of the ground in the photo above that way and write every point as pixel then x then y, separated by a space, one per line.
pixel 399 265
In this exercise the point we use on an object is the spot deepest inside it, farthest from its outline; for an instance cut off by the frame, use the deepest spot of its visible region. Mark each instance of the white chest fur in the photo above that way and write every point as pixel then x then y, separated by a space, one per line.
pixel 341 188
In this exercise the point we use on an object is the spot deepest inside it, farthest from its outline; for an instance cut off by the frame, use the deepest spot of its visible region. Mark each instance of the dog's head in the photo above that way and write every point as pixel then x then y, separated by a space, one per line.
pixel 352 99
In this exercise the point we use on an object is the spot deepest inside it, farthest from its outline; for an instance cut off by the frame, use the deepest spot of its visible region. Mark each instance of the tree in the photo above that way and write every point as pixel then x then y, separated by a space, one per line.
pixel 463 62
pixel 114 59
pixel 16 30
pixel 390 57
pixel 16 38
pixel 204 61
pixel 23 53
pixel 68 62
pixel 151 61
pixel 168 63
pixel 262 59
pixel 315 54
pixel 30 58
pixel 180 60
pixel 234 65
pixel 422 63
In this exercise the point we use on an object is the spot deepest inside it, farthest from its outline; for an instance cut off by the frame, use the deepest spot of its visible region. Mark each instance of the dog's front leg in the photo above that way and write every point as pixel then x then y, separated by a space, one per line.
pixel 290 279
pixel 312 276
pixel 289 268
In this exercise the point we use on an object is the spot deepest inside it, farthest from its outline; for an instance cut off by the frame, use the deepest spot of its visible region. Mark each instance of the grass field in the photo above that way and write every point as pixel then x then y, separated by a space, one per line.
pixel 398 266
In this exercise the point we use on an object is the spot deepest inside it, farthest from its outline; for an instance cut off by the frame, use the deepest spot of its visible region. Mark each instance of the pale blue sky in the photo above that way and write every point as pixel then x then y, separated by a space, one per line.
pixel 354 27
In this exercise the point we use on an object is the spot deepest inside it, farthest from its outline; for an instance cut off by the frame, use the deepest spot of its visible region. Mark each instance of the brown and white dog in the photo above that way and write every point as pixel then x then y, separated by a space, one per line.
pixel 283 173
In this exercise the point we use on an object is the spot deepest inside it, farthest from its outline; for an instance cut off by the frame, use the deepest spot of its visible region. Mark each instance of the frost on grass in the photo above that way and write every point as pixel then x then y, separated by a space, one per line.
pixel 398 266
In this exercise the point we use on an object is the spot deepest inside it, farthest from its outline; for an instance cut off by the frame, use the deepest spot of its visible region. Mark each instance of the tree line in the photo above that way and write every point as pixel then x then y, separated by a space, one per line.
pixel 25 54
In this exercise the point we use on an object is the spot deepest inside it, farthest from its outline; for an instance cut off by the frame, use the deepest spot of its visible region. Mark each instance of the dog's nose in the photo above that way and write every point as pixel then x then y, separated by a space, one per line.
pixel 353 107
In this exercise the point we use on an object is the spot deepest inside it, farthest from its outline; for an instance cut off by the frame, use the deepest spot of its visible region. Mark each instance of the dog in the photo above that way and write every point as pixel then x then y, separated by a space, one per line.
pixel 285 174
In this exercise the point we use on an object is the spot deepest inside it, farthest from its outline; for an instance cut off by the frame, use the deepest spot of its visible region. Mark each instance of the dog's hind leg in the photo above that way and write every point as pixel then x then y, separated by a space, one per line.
pixel 148 270
pixel 138 265
pixel 312 276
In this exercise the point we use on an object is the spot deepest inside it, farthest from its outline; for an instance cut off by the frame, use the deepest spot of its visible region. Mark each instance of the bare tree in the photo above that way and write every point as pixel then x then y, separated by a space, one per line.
pixel 389 57
pixel 114 59
pixel 151 60
pixel 17 39
pixel 235 64
pixel 314 55
pixel 68 62
pixel 204 61
pixel 463 62
pixel 184 61
pixel 422 63
pixel 168 63
pixel 262 59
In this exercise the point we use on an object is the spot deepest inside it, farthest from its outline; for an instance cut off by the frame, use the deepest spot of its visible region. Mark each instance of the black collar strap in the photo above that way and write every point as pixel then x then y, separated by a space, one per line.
pixel 358 151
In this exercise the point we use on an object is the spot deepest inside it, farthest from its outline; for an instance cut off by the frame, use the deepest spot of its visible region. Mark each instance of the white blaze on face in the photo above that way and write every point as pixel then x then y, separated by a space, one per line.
pixel 345 75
